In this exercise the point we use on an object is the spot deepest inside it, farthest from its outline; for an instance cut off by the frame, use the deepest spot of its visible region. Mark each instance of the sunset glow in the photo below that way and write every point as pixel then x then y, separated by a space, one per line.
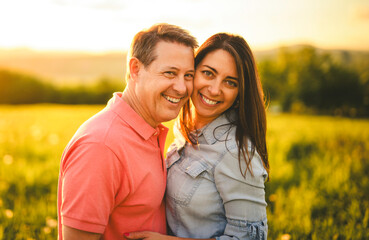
pixel 97 25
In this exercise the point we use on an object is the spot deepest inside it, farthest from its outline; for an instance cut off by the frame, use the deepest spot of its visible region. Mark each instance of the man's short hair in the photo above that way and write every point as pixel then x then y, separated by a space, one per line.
pixel 144 42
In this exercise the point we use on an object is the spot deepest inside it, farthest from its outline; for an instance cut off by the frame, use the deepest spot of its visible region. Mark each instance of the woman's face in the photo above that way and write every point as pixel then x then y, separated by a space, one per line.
pixel 215 86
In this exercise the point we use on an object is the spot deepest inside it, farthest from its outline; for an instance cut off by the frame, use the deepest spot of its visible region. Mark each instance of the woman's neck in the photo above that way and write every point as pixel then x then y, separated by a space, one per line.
pixel 199 121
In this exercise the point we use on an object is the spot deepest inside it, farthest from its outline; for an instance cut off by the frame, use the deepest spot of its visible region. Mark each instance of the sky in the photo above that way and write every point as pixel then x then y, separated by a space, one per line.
pixel 109 25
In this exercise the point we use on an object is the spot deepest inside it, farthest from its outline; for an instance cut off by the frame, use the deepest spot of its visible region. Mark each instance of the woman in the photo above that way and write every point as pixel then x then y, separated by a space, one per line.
pixel 218 163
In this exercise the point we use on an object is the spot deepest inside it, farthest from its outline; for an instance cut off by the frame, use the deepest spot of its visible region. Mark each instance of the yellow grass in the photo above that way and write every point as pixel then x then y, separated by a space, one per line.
pixel 318 188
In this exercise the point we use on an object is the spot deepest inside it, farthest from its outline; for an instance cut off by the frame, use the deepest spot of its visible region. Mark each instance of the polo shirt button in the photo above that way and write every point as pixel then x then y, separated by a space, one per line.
pixel 156 133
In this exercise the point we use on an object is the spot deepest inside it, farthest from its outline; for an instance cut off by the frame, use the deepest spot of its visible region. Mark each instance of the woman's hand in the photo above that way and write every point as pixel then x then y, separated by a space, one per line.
pixel 147 236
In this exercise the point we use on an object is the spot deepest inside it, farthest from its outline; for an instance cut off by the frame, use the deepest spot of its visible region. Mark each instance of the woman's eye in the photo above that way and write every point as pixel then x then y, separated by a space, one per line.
pixel 231 83
pixel 207 73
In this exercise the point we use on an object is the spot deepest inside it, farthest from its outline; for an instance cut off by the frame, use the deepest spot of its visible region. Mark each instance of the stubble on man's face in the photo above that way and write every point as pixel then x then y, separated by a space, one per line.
pixel 166 84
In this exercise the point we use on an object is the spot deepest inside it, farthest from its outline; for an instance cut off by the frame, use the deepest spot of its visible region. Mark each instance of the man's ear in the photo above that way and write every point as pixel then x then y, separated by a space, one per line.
pixel 134 68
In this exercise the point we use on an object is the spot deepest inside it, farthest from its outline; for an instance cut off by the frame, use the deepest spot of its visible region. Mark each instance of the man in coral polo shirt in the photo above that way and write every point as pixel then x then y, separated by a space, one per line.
pixel 112 175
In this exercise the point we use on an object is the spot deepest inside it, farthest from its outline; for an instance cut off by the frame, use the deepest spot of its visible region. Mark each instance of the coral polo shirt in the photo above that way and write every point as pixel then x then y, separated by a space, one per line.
pixel 112 175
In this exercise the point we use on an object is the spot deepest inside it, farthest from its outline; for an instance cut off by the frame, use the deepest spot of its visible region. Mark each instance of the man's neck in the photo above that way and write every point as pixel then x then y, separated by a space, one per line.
pixel 130 98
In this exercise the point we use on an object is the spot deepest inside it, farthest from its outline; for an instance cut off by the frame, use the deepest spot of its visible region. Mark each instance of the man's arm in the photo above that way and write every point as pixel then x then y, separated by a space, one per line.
pixel 85 177
pixel 75 234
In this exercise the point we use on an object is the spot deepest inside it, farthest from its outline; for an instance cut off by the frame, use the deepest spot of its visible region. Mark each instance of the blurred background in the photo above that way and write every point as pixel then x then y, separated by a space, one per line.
pixel 61 60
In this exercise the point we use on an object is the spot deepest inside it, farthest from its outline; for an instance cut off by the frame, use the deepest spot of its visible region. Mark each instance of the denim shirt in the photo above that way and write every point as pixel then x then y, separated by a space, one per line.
pixel 207 196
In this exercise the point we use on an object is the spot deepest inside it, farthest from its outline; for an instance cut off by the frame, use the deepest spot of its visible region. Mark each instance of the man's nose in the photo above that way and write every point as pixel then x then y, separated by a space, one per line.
pixel 180 86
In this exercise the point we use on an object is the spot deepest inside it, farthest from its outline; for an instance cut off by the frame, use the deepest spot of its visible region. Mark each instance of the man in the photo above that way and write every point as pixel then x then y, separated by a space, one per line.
pixel 112 174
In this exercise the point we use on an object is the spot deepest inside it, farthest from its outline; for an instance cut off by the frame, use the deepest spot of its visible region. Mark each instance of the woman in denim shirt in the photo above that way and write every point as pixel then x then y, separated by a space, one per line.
pixel 218 162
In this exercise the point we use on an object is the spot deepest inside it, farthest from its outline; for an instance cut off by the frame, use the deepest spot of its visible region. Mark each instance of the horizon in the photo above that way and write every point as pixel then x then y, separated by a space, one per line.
pixel 23 49
pixel 66 67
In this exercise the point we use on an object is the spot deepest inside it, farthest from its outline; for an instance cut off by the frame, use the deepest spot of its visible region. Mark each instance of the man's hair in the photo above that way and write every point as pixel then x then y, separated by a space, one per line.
pixel 144 42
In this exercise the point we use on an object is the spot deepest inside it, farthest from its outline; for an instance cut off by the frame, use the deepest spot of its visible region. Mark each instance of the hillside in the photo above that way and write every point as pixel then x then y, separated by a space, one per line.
pixel 65 67
pixel 80 67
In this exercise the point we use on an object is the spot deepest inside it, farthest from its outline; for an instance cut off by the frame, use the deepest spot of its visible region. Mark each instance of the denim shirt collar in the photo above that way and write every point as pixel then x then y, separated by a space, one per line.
pixel 215 130
pixel 209 134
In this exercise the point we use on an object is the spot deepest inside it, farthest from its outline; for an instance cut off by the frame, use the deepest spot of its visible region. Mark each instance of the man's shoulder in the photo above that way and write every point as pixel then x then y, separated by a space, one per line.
pixel 102 137
pixel 103 127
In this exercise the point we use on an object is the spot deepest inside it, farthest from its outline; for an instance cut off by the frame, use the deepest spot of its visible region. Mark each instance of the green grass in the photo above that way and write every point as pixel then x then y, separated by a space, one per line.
pixel 319 186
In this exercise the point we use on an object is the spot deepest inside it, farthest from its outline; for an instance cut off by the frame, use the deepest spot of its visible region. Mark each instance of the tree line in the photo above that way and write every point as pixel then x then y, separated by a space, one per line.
pixel 17 88
pixel 302 80
pixel 305 80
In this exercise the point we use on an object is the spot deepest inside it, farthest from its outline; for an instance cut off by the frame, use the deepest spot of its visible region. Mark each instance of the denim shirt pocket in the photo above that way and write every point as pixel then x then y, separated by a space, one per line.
pixel 196 168
pixel 184 180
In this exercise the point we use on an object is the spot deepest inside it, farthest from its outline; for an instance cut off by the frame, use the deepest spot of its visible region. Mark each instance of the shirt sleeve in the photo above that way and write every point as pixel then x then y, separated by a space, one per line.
pixel 91 176
pixel 243 198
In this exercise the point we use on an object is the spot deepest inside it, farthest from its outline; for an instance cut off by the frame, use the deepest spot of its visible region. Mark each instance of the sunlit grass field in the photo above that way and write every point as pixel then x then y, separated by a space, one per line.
pixel 318 189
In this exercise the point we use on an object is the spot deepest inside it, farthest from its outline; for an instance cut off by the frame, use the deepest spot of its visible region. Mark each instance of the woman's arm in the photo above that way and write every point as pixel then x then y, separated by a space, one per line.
pixel 243 198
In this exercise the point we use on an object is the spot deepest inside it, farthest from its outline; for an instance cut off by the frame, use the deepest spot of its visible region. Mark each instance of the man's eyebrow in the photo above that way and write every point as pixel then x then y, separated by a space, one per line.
pixel 171 67
pixel 177 69
pixel 214 70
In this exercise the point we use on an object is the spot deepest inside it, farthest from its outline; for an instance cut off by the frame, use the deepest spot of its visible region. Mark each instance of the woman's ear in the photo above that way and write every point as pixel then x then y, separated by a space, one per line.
pixel 134 68
pixel 236 103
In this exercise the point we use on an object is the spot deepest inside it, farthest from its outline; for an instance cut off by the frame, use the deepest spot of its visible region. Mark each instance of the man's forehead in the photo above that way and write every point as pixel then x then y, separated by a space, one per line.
pixel 162 45
pixel 173 55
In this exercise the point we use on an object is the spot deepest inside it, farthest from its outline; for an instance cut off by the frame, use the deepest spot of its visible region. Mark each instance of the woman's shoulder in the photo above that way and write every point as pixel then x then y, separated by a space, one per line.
pixel 231 166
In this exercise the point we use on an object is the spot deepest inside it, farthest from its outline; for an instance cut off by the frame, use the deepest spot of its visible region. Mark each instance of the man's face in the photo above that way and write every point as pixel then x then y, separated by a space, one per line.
pixel 166 84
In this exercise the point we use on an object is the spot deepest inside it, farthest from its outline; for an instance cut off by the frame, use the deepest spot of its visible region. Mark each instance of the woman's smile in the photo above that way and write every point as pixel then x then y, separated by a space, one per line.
pixel 208 101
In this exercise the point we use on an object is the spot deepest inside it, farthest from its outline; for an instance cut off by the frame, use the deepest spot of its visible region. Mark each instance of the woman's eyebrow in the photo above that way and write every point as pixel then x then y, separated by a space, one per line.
pixel 234 78
pixel 214 70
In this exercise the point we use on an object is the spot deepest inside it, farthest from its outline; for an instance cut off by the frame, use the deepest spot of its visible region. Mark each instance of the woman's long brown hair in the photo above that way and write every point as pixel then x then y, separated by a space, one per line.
pixel 251 120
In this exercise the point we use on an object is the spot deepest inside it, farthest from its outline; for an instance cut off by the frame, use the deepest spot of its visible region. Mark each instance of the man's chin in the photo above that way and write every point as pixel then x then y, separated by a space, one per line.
pixel 170 115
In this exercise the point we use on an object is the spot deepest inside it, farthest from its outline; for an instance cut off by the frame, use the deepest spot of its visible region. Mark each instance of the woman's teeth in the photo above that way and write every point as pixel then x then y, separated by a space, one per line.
pixel 208 101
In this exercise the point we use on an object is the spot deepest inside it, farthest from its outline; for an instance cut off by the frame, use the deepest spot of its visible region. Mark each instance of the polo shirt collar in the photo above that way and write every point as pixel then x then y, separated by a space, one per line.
pixel 135 121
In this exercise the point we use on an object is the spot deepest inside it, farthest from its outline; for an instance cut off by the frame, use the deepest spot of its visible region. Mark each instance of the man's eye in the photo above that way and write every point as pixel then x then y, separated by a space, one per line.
pixel 189 77
pixel 169 74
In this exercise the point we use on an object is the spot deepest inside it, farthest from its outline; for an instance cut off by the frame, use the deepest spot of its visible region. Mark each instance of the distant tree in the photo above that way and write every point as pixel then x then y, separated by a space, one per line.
pixel 16 88
pixel 105 87
pixel 313 80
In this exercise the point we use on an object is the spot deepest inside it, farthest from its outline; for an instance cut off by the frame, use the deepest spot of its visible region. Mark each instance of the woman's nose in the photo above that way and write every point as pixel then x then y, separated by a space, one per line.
pixel 214 88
